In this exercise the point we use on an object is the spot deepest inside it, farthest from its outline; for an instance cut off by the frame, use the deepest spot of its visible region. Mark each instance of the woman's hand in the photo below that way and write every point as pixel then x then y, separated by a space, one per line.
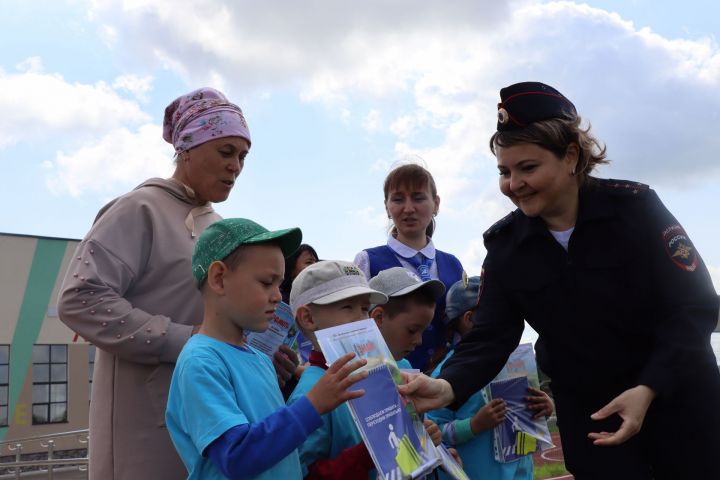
pixel 631 405
pixel 426 393
pixel 540 402
pixel 489 416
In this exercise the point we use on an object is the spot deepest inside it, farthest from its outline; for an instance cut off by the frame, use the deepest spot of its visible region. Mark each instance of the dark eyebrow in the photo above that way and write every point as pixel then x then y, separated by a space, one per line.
pixel 518 164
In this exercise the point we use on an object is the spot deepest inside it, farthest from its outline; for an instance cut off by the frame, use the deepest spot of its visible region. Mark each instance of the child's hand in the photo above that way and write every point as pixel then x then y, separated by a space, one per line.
pixel 433 431
pixel 489 416
pixel 540 402
pixel 300 369
pixel 455 455
pixel 332 388
pixel 285 361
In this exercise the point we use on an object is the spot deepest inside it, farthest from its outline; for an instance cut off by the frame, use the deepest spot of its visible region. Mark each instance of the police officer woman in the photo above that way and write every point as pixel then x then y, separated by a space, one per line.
pixel 622 302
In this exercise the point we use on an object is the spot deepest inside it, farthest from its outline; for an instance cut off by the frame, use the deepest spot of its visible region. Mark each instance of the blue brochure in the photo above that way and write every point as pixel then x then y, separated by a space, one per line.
pixel 520 434
pixel 382 417
pixel 281 330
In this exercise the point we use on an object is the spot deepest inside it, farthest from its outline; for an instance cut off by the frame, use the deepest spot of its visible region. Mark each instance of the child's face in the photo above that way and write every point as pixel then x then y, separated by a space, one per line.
pixel 252 290
pixel 403 332
pixel 340 313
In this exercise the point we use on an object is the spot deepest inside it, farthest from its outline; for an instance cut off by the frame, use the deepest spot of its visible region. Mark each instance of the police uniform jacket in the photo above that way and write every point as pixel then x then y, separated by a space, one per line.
pixel 630 302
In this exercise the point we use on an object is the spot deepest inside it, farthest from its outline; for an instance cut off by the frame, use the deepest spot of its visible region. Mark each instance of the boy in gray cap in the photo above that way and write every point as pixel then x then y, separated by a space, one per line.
pixel 225 412
pixel 327 294
pixel 408 312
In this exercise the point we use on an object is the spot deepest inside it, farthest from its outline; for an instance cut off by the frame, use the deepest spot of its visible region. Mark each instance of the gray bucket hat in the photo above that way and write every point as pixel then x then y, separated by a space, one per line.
pixel 399 281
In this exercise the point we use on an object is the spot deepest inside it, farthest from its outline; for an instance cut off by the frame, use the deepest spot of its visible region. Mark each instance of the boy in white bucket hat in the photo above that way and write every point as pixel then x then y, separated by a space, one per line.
pixel 327 294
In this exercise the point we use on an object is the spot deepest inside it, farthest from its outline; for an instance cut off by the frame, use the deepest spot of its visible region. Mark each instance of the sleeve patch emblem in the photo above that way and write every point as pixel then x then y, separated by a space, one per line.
pixel 679 248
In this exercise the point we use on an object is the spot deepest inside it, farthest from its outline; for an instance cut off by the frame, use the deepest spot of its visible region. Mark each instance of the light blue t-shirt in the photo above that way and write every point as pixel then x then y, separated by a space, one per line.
pixel 477 454
pixel 404 364
pixel 216 386
pixel 337 433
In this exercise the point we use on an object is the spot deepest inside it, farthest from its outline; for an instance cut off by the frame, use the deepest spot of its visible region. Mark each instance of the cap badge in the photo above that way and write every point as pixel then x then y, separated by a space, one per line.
pixel 503 116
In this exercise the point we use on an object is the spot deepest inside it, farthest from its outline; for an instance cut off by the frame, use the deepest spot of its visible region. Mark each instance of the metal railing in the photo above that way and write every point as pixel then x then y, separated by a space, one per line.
pixel 49 465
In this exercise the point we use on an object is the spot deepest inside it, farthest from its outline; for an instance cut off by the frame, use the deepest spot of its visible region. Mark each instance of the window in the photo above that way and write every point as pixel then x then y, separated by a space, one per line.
pixel 91 368
pixel 49 394
pixel 4 383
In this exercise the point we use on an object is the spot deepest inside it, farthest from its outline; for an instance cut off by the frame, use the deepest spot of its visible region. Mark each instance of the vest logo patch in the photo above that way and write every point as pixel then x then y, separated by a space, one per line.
pixel 679 248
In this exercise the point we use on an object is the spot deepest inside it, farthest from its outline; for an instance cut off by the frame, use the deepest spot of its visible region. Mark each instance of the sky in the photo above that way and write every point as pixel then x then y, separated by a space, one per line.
pixel 337 92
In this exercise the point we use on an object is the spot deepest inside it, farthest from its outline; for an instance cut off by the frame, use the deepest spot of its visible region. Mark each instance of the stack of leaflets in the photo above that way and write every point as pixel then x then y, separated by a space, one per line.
pixel 520 434
pixel 398 449
pixel 281 331
pixel 451 467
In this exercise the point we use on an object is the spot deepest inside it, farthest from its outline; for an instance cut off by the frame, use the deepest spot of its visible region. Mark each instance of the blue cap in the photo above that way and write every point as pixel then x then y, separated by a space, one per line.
pixel 461 297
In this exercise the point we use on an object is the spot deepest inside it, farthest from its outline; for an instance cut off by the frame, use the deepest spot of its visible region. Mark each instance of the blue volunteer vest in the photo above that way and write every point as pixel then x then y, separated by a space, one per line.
pixel 449 270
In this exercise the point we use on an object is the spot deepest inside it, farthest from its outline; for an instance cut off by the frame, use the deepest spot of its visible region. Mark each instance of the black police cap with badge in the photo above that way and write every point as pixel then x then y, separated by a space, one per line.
pixel 528 102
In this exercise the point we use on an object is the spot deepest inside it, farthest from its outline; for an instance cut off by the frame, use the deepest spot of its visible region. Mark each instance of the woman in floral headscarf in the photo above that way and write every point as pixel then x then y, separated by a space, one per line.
pixel 129 290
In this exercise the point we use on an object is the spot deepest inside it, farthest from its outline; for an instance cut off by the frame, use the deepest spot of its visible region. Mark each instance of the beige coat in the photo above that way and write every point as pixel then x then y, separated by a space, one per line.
pixel 129 291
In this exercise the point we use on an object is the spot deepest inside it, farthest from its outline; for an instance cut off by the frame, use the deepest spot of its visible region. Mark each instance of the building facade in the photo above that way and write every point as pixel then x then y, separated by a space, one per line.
pixel 45 368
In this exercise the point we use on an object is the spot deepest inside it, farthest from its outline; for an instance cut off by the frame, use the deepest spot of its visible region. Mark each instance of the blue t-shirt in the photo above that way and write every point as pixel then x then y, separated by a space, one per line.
pixel 404 364
pixel 216 386
pixel 337 432
pixel 478 453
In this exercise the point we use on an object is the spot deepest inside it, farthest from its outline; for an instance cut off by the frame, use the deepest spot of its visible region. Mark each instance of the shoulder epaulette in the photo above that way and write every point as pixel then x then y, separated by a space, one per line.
pixel 498 226
pixel 622 187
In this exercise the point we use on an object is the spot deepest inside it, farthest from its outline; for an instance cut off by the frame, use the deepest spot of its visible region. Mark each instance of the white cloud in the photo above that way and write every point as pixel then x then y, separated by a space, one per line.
pixel 403 126
pixel 433 77
pixel 372 121
pixel 263 42
pixel 30 65
pixel 370 217
pixel 473 256
pixel 119 160
pixel 139 86
pixel 437 72
pixel 36 105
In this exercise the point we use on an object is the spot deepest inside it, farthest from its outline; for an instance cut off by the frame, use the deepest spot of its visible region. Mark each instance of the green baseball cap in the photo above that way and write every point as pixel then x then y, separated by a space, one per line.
pixel 222 238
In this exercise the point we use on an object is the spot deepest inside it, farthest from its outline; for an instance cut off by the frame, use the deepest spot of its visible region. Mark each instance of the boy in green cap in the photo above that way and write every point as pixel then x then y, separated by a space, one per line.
pixel 225 412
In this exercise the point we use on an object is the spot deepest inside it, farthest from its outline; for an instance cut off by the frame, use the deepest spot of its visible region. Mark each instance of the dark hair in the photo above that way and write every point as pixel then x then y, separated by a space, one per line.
pixel 290 262
pixel 412 176
pixel 397 305
pixel 442 350
pixel 556 135
pixel 232 261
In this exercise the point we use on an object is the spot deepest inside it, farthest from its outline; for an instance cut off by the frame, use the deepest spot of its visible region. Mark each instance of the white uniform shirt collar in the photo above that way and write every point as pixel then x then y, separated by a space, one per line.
pixel 407 252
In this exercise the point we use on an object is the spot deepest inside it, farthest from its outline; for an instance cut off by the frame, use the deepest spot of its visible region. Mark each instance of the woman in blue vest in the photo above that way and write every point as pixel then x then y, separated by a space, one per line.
pixel 412 202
